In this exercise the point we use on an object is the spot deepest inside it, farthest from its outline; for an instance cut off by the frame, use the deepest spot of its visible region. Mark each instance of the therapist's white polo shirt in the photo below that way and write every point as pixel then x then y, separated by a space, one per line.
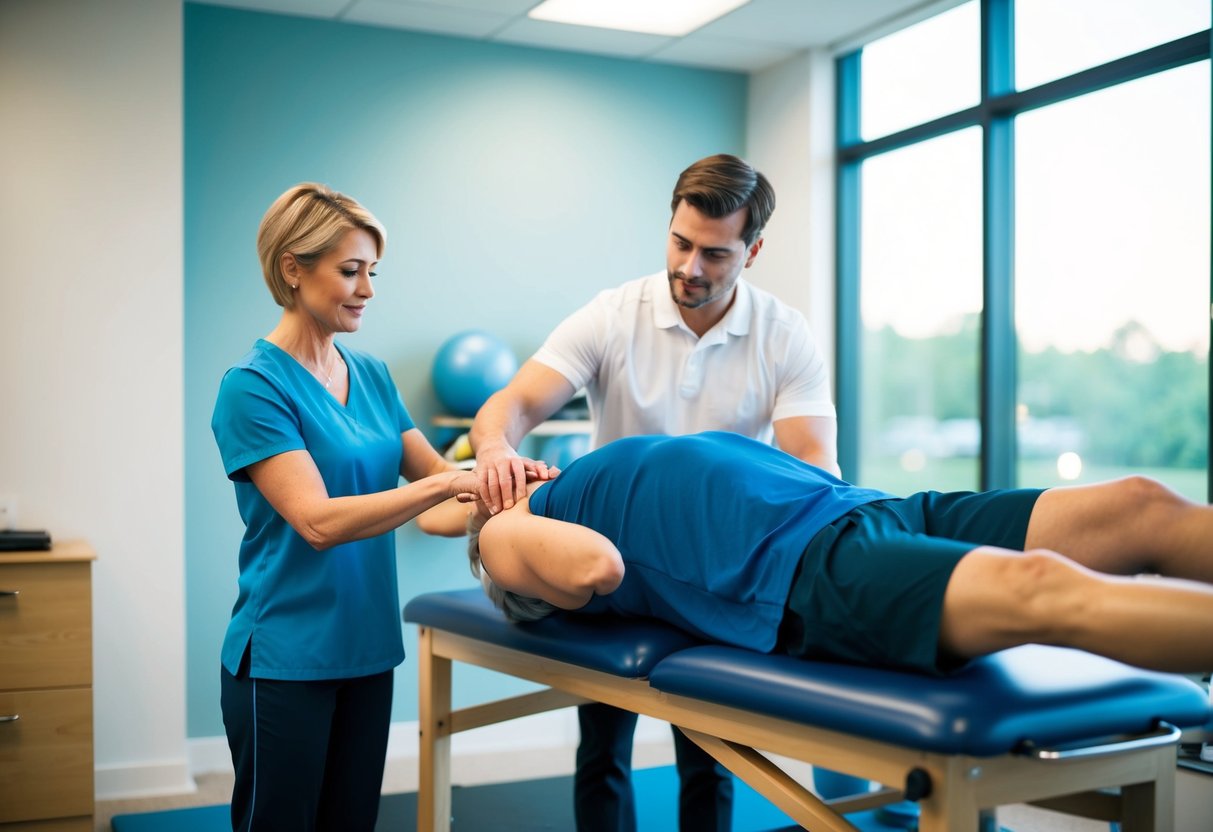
pixel 645 371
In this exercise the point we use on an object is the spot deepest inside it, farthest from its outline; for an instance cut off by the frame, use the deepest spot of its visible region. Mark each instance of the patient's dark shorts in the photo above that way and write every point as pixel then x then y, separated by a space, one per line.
pixel 870 586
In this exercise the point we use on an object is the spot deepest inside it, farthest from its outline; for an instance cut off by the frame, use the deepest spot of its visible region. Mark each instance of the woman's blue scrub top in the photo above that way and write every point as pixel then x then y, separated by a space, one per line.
pixel 304 614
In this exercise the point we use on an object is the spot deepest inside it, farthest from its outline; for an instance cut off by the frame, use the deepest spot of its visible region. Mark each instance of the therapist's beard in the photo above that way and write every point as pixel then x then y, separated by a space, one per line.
pixel 687 302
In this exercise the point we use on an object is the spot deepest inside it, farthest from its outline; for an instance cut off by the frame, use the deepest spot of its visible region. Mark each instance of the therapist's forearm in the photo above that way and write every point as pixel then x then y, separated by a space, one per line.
pixel 501 424
pixel 340 520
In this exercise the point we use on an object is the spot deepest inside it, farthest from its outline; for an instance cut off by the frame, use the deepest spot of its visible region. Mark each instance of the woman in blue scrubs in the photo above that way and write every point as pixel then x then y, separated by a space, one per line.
pixel 315 438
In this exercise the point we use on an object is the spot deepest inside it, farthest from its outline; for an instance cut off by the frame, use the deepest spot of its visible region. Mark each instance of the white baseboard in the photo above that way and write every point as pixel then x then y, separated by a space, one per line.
pixel 537 746
pixel 533 747
pixel 147 779
pixel 209 755
pixel 543 745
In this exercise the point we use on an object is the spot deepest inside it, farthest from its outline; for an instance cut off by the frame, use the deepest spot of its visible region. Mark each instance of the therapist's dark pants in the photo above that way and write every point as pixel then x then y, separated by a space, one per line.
pixel 309 756
pixel 603 800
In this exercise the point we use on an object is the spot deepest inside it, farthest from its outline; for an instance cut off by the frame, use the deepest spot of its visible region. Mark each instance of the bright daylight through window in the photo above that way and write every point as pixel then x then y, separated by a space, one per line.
pixel 1028 269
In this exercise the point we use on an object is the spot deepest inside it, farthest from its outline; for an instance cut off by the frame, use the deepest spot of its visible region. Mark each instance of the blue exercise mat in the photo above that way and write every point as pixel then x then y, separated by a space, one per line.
pixel 526 806
pixel 196 819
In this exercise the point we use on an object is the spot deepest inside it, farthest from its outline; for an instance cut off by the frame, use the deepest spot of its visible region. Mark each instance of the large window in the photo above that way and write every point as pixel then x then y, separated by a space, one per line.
pixel 1024 260
pixel 901 89
pixel 920 300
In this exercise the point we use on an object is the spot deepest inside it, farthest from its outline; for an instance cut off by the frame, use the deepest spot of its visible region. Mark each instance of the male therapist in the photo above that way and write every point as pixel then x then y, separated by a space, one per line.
pixel 692 349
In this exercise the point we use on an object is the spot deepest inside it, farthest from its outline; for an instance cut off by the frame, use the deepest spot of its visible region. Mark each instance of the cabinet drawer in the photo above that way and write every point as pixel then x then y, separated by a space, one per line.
pixel 46 756
pixel 46 627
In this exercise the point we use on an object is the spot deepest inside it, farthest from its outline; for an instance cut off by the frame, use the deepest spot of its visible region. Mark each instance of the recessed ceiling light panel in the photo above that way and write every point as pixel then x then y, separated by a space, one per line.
pixel 673 18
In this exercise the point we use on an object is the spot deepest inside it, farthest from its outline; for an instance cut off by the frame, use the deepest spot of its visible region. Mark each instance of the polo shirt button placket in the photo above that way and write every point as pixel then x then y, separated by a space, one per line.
pixel 692 375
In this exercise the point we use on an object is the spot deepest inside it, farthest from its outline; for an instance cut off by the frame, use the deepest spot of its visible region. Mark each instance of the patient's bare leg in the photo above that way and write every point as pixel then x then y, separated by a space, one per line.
pixel 998 599
pixel 1126 526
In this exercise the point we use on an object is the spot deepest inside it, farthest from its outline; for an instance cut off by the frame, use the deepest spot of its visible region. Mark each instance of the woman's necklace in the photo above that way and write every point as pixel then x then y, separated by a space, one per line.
pixel 326 376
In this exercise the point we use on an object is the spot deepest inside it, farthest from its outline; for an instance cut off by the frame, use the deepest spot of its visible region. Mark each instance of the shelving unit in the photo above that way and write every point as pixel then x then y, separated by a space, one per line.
pixel 552 427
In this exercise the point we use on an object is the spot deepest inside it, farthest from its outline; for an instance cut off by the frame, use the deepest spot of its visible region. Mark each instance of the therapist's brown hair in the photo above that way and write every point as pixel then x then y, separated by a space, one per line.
pixel 722 184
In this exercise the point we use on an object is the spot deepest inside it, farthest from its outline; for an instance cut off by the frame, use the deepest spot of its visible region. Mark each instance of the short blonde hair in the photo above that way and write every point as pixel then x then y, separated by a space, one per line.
pixel 308 221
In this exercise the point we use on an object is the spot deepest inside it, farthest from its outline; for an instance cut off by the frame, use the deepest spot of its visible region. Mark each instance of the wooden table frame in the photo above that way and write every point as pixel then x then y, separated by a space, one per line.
pixel 1136 788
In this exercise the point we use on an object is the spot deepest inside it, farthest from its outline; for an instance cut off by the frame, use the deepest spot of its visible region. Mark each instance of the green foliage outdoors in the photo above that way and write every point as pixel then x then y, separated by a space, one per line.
pixel 1135 408
pixel 960 474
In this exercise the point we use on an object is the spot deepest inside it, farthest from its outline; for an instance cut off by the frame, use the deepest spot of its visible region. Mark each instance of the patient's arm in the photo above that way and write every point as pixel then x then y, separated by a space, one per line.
pixel 558 562
pixel 447 519
pixel 450 518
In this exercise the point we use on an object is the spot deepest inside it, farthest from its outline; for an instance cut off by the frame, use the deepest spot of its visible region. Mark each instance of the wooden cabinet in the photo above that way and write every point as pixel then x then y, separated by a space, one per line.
pixel 46 689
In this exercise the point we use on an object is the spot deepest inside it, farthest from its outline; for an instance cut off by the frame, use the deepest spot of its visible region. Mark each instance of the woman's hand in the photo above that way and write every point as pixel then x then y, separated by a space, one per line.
pixel 464 486
pixel 463 511
pixel 450 518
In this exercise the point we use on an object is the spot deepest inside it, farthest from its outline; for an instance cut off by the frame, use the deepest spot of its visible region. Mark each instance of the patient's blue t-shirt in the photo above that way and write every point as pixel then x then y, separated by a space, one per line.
pixel 711 527
pixel 308 614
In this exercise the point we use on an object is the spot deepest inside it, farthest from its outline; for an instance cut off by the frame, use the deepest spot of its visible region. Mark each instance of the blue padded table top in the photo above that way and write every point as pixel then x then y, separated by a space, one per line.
pixel 623 647
pixel 1047 696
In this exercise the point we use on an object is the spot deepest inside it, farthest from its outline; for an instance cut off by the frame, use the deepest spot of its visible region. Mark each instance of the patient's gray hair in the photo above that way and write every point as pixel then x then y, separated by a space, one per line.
pixel 516 607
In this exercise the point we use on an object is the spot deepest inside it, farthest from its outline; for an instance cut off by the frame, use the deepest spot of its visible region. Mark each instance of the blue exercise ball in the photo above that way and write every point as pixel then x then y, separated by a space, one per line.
pixel 562 450
pixel 471 366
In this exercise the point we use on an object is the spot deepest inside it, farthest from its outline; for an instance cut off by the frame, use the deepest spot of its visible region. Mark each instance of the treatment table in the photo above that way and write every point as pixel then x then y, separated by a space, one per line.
pixel 1054 727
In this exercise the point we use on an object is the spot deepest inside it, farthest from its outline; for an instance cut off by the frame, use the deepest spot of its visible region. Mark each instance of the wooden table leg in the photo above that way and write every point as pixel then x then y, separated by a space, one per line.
pixel 434 719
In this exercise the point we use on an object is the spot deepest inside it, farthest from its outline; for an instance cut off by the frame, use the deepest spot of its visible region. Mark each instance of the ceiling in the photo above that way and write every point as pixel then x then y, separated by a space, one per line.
pixel 751 38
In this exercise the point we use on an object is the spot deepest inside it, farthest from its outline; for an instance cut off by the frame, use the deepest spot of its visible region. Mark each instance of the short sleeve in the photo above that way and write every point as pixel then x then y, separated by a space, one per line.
pixel 804 388
pixel 253 421
pixel 576 346
pixel 403 418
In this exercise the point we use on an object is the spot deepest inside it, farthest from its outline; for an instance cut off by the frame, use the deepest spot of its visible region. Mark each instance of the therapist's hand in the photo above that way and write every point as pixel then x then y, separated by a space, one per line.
pixel 503 476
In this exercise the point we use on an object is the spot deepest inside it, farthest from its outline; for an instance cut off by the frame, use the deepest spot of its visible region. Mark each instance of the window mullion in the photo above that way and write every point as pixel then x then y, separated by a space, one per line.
pixel 998 344
pixel 848 325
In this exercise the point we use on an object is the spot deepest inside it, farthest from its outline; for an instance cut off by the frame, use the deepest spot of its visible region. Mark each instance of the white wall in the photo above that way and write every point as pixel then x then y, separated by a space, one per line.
pixel 790 138
pixel 91 344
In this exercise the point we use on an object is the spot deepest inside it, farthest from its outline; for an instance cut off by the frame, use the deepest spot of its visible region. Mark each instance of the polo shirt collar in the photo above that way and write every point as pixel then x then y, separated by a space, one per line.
pixel 735 322
pixel 665 313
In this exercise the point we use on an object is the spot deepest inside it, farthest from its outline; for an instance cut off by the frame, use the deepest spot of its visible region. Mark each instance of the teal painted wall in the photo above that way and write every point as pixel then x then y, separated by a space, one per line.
pixel 514 184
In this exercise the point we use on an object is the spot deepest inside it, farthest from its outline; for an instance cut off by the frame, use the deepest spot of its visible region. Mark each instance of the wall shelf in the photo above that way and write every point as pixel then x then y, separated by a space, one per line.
pixel 552 427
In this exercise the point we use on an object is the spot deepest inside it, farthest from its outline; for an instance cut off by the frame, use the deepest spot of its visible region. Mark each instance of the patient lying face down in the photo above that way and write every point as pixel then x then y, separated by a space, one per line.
pixel 739 543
